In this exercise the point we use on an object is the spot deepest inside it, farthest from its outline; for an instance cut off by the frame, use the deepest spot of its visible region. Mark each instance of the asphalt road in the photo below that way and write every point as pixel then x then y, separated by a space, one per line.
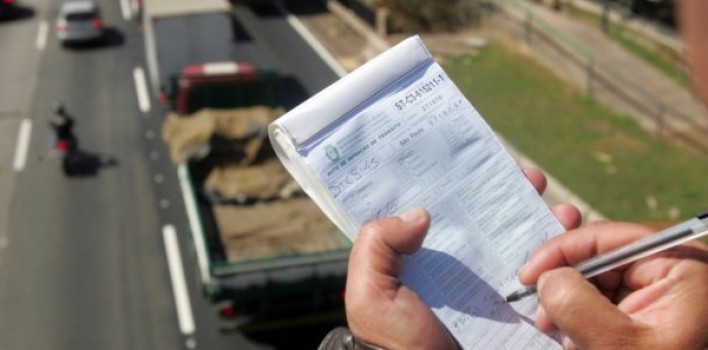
pixel 82 259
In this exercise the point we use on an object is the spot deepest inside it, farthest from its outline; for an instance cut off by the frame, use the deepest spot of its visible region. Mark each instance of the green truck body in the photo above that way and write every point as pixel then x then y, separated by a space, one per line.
pixel 282 286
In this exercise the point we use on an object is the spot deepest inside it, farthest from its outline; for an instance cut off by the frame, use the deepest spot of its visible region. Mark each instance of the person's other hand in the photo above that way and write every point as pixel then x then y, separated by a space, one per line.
pixel 659 302
pixel 382 311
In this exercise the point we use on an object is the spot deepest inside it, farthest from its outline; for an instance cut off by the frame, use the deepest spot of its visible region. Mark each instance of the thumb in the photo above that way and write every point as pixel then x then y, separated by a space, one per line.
pixel 376 302
pixel 382 243
pixel 573 304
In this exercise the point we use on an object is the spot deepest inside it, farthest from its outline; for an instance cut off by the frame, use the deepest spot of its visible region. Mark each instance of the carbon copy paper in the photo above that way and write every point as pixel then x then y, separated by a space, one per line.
pixel 397 134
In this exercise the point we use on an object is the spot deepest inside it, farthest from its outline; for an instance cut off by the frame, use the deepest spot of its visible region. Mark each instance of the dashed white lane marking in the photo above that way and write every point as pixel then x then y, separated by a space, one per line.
pixel 312 41
pixel 42 32
pixel 22 145
pixel 125 9
pixel 141 89
pixel 179 285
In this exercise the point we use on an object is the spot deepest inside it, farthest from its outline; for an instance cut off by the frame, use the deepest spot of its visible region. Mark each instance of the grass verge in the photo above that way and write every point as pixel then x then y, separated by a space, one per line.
pixel 603 157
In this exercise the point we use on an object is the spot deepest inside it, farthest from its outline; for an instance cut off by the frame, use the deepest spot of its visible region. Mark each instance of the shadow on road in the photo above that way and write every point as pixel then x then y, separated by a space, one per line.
pixel 304 8
pixel 300 337
pixel 111 38
pixel 241 35
pixel 296 7
pixel 80 163
pixel 292 93
pixel 20 13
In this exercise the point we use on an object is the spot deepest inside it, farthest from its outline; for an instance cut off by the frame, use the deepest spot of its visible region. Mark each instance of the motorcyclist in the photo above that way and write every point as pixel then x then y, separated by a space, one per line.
pixel 63 124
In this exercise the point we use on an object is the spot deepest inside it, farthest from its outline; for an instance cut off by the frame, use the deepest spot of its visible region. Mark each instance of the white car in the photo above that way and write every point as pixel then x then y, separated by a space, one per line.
pixel 79 21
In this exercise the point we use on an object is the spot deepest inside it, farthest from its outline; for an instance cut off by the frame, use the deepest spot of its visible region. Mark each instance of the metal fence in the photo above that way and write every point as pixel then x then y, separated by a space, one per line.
pixel 602 81
pixel 364 11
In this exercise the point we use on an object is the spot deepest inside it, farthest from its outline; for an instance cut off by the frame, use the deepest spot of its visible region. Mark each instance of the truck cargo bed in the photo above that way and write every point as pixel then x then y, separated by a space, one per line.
pixel 271 229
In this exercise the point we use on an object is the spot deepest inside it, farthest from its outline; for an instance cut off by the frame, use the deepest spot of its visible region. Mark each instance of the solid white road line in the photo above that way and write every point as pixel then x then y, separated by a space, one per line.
pixel 42 31
pixel 22 145
pixel 125 10
pixel 312 41
pixel 141 89
pixel 195 226
pixel 179 285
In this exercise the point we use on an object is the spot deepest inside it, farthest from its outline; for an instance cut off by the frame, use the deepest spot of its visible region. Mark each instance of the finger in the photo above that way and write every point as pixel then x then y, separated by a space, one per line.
pixel 579 245
pixel 648 271
pixel 649 279
pixel 568 343
pixel 568 215
pixel 573 305
pixel 381 244
pixel 543 322
pixel 377 305
pixel 537 179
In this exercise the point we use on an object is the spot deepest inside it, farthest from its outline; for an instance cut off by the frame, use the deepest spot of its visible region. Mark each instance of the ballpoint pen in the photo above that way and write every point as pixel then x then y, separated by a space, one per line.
pixel 655 243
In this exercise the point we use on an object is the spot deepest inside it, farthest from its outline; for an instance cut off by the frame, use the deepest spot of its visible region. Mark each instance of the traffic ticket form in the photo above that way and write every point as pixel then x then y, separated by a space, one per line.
pixel 416 141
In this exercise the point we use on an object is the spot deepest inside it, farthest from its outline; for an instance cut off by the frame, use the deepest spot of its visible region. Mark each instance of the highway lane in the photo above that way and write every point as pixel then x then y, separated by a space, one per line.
pixel 265 37
pixel 84 264
pixel 18 68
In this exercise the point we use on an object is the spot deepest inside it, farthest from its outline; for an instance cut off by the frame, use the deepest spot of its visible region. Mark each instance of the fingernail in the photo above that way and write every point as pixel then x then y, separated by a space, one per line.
pixel 567 343
pixel 412 216
pixel 522 269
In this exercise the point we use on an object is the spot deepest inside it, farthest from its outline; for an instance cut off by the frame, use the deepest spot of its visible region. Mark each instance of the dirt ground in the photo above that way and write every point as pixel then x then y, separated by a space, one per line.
pixel 351 49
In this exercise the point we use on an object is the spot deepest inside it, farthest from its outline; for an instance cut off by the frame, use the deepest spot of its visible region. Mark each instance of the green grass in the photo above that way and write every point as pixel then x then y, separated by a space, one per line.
pixel 652 55
pixel 603 157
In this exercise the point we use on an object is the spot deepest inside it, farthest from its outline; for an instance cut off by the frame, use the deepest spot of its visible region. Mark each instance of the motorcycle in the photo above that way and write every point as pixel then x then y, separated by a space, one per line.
pixel 64 143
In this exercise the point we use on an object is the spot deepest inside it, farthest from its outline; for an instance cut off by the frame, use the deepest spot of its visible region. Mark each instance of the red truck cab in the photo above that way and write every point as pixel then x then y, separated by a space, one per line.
pixel 221 85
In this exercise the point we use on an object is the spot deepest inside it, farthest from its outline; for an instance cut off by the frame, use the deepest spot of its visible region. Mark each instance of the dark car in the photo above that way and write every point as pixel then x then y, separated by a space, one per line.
pixel 7 8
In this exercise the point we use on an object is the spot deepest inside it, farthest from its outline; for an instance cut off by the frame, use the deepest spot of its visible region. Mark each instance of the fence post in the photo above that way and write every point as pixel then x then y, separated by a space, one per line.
pixel 591 76
pixel 606 16
pixel 382 22
pixel 660 111
pixel 527 27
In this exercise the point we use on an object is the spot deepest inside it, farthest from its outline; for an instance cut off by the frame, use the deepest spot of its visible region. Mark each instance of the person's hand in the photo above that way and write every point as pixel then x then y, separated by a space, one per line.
pixel 660 302
pixel 382 311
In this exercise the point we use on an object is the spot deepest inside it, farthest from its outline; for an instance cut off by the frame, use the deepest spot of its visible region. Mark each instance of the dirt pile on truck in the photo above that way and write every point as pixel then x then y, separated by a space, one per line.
pixel 243 126
pixel 259 210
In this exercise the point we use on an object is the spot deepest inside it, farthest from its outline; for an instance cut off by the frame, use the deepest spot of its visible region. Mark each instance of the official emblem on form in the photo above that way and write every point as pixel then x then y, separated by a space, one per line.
pixel 332 153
